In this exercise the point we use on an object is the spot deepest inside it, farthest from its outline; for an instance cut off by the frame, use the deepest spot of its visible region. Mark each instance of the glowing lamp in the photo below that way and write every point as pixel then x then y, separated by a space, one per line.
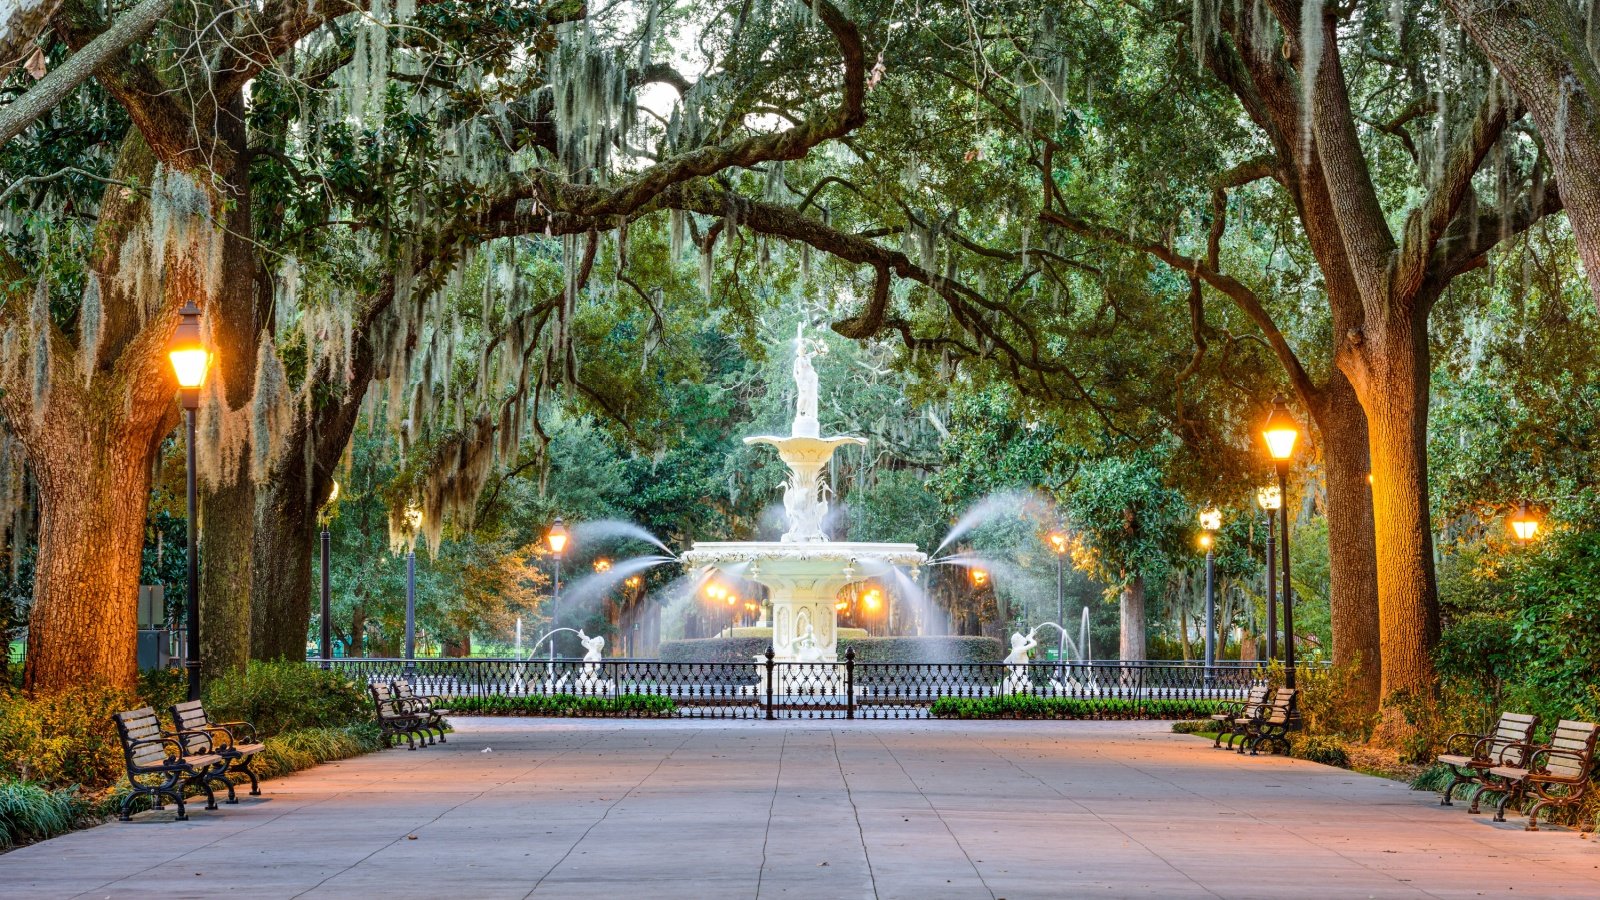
pixel 557 536
pixel 873 599
pixel 1269 498
pixel 1058 542
pixel 1280 431
pixel 1211 519
pixel 188 355
pixel 602 565
pixel 1524 524
pixel 634 581
pixel 1205 540
pixel 980 577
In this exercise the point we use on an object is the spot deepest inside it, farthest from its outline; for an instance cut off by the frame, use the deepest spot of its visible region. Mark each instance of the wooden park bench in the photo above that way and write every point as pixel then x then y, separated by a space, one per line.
pixel 235 742
pixel 425 706
pixel 394 716
pixel 1229 711
pixel 1271 724
pixel 1469 757
pixel 170 756
pixel 1557 773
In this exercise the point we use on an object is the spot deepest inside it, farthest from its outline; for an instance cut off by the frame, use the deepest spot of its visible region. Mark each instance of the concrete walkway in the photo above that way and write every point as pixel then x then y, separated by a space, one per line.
pixel 622 809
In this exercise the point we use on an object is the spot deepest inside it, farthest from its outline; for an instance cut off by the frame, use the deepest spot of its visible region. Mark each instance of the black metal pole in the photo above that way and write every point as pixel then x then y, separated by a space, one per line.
pixel 1211 612
pixel 411 611
pixel 1288 587
pixel 192 588
pixel 1272 588
pixel 326 643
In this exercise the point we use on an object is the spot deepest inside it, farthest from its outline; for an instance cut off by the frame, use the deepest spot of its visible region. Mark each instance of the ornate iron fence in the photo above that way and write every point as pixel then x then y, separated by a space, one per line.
pixel 845 689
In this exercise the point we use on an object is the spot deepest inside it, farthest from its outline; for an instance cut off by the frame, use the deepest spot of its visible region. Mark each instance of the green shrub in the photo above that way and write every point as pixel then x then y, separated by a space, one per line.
pixel 1331 702
pixel 1194 726
pixel 287 695
pixel 31 812
pixel 715 650
pixel 63 739
pixel 1028 706
pixel 563 705
pixel 1320 749
pixel 931 649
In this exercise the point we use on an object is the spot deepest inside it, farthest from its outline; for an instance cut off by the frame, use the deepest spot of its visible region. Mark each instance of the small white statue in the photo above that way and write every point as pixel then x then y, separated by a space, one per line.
pixel 804 648
pixel 805 382
pixel 1017 662
pixel 593 646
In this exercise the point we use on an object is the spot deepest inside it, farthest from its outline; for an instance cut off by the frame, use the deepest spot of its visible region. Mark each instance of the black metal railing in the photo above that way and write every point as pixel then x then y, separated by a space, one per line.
pixel 845 689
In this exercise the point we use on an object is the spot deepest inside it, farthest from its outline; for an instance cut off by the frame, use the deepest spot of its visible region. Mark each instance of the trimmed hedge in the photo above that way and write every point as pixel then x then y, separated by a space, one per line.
pixel 563 705
pixel 900 650
pixel 1026 706
pixel 715 650
pixel 931 649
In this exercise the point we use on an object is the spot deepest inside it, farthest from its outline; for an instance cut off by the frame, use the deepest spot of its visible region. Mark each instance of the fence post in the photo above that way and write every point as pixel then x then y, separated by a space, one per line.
pixel 770 666
pixel 850 683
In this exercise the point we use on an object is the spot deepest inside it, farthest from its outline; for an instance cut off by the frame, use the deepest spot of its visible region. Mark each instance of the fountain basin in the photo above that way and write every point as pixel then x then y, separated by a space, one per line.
pixel 802 580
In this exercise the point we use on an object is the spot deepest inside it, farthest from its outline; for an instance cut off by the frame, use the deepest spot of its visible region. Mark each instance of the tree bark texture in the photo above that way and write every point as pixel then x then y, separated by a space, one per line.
pixel 1352 552
pixel 1542 49
pixel 1132 642
pixel 228 505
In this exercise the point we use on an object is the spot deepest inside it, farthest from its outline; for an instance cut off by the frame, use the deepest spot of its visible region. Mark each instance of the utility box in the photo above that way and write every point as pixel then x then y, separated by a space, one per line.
pixel 155 649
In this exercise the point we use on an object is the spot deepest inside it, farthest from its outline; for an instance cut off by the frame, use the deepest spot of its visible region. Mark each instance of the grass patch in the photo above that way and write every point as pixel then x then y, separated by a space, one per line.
pixel 563 705
pixel 30 812
pixel 1023 706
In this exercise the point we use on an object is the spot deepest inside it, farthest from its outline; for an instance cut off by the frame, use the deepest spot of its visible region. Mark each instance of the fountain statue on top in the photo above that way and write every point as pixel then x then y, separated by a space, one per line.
pixel 804 572
pixel 803 450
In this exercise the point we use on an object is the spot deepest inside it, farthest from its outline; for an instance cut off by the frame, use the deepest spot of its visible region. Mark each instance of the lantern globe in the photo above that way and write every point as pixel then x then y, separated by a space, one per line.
pixel 1280 431
pixel 557 536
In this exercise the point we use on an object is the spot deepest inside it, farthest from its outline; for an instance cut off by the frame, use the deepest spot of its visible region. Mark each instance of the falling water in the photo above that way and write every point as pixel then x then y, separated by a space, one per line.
pixel 1007 504
pixel 597 532
pixel 580 592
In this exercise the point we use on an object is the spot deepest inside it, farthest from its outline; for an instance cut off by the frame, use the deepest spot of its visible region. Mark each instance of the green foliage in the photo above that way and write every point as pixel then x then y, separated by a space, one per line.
pixel 1194 726
pixel 31 812
pixel 715 650
pixel 1027 706
pixel 1132 523
pixel 563 705
pixel 1331 703
pixel 928 649
pixel 1320 749
pixel 282 696
pixel 63 739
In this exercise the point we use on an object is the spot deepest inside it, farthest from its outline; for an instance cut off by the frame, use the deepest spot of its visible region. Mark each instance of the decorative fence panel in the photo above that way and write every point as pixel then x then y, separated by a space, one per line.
pixel 845 689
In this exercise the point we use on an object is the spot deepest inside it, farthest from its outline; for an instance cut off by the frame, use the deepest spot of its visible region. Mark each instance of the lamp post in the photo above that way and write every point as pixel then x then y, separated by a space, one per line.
pixel 413 526
pixel 1270 499
pixel 1524 523
pixel 556 540
pixel 1058 546
pixel 189 359
pixel 1281 432
pixel 325 642
pixel 1210 522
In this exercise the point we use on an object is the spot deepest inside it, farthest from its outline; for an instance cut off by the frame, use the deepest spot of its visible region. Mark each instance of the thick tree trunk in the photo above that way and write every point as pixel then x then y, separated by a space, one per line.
pixel 281 583
pixel 1352 554
pixel 1542 49
pixel 1132 646
pixel 84 624
pixel 228 507
pixel 1394 393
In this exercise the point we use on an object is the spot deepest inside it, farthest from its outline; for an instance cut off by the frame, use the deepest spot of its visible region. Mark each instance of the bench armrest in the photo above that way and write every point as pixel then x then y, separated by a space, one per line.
pixel 235 729
pixel 1539 764
pixel 210 739
pixel 1459 743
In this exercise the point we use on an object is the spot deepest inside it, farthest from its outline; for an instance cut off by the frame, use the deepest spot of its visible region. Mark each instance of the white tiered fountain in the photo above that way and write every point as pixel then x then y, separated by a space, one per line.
pixel 804 572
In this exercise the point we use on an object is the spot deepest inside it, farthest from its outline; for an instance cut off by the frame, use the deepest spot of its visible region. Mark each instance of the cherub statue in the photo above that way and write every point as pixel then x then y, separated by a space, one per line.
pixel 593 646
pixel 1017 661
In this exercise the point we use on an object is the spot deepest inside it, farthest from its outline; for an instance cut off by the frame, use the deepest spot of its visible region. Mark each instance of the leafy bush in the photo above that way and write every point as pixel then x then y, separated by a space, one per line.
pixel 63 739
pixel 1027 706
pixel 930 649
pixel 715 650
pixel 1331 703
pixel 286 695
pixel 1320 749
pixel 31 812
pixel 1194 726
pixel 564 705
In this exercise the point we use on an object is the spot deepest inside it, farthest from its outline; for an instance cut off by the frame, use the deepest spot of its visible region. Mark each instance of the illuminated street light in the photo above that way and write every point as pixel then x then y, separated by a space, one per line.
pixel 602 565
pixel 189 358
pixel 413 516
pixel 1281 432
pixel 1524 523
pixel 1270 499
pixel 1210 522
pixel 980 577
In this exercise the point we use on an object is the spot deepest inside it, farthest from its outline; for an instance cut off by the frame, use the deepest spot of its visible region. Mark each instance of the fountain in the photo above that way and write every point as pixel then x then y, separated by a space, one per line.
pixel 804 571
